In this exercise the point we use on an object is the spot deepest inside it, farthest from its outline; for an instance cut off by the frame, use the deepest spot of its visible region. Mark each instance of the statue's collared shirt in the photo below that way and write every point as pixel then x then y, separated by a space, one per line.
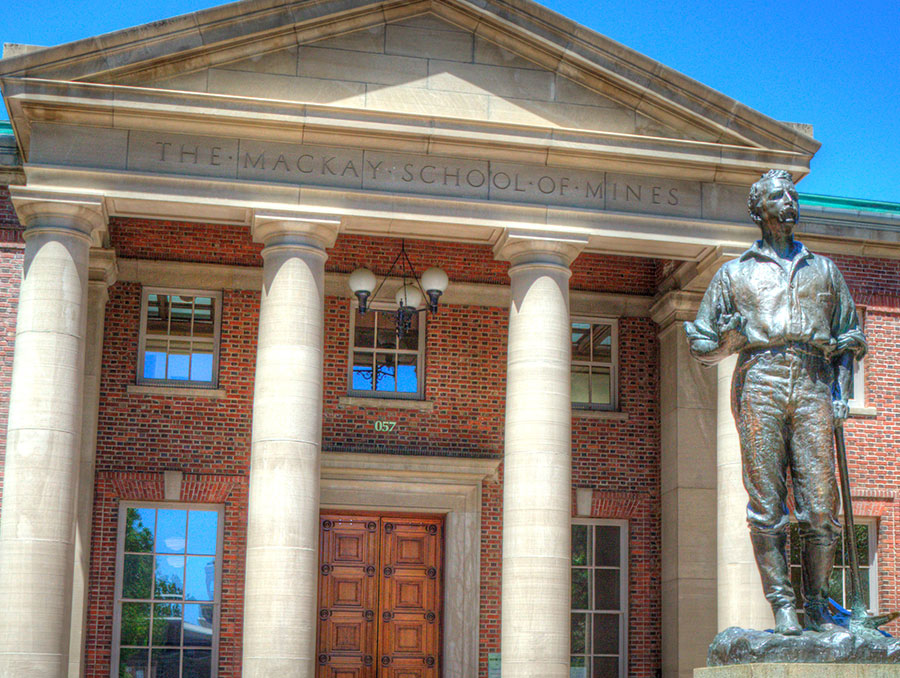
pixel 807 302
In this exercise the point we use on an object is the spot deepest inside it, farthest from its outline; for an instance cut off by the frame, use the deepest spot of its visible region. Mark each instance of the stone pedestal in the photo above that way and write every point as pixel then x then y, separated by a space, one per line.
pixel 800 671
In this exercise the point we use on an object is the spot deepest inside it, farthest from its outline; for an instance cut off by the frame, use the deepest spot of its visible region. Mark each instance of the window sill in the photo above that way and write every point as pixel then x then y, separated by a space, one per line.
pixel 176 391
pixel 862 411
pixel 386 403
pixel 609 415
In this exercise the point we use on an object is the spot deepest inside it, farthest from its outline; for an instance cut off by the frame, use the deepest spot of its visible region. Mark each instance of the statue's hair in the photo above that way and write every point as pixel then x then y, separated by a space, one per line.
pixel 756 191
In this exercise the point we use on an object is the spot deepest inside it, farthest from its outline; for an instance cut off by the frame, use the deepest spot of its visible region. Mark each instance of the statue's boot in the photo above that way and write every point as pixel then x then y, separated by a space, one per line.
pixel 818 561
pixel 771 561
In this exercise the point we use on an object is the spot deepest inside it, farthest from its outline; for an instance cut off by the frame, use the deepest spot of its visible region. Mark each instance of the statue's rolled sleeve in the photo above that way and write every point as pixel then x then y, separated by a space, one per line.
pixel 703 334
pixel 845 321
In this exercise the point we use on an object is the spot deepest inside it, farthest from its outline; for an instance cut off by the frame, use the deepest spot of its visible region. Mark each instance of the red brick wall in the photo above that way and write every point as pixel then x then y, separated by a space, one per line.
pixel 872 442
pixel 619 460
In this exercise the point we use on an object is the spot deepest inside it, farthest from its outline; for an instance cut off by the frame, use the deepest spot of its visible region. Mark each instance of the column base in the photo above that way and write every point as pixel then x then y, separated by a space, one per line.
pixel 800 671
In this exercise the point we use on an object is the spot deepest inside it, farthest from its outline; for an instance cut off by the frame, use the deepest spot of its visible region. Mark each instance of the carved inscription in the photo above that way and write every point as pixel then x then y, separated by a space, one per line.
pixel 407 173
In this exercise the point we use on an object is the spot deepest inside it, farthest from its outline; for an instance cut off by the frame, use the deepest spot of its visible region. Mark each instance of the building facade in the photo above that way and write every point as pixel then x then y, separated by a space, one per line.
pixel 215 465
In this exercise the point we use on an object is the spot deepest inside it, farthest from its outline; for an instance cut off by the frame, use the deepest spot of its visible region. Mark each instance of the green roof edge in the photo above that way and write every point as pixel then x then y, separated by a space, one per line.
pixel 849 203
pixel 5 127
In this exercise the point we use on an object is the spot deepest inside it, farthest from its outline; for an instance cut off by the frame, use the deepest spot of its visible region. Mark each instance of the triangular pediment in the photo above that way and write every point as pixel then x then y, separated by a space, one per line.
pixel 508 65
pixel 425 65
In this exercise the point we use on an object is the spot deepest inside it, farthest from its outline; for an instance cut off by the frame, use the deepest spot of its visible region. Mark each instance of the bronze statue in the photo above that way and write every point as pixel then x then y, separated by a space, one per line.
pixel 789 315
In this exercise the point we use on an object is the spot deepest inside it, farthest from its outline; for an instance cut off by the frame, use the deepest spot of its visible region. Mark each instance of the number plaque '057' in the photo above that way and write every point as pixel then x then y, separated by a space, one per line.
pixel 385 425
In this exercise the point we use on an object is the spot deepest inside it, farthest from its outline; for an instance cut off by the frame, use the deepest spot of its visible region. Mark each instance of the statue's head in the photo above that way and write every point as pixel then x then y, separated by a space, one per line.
pixel 773 201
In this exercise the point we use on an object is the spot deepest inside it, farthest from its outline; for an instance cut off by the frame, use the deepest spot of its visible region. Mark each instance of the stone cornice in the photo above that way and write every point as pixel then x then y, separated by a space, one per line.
pixel 138 108
pixel 102 266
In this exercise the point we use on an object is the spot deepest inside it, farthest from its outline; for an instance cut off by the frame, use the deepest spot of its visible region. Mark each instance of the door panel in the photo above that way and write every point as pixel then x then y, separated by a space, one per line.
pixel 379 596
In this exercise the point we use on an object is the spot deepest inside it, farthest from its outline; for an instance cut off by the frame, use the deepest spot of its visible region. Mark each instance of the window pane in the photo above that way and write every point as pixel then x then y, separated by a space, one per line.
pixel 836 589
pixel 795 544
pixel 600 386
pixel 200 578
pixel 606 590
pixel 578 667
pixel 602 343
pixel 180 315
pixel 407 381
pixel 579 633
pixel 198 621
pixel 605 667
pixel 135 629
pixel 385 372
pixel 202 362
pixel 580 546
pixel 607 545
pixel 164 663
pixel 155 358
pixel 171 524
pixel 606 634
pixel 580 384
pixel 137 576
pixel 169 577
pixel 132 663
pixel 204 317
pixel 203 531
pixel 362 371
pixel 580 600
pixel 581 341
pixel 386 336
pixel 179 360
pixel 158 314
pixel 197 664
pixel 166 624
pixel 864 584
pixel 139 525
pixel 364 329
pixel 862 543
pixel 410 340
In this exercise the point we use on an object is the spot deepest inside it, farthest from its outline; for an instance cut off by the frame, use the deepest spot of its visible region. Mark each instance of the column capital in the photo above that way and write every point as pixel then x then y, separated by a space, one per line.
pixel 275 228
pixel 102 266
pixel 675 307
pixel 520 247
pixel 65 211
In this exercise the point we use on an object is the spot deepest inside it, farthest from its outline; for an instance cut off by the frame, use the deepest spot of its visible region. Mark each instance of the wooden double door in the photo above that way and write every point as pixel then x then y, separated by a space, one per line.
pixel 379 596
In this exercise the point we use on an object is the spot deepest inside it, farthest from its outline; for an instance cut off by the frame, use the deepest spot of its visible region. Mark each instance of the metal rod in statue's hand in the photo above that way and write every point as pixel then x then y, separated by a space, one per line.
pixel 857 604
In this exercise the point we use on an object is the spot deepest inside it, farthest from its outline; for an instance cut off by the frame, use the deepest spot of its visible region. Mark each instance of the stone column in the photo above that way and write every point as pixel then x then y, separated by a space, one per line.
pixel 741 598
pixel 537 484
pixel 102 273
pixel 37 524
pixel 283 521
pixel 688 486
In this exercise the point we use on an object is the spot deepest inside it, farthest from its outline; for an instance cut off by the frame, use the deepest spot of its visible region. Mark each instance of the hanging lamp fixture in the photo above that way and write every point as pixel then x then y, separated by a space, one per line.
pixel 409 296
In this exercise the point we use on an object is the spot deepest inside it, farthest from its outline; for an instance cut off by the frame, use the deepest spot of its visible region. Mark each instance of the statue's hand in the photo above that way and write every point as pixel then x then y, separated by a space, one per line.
pixel 840 409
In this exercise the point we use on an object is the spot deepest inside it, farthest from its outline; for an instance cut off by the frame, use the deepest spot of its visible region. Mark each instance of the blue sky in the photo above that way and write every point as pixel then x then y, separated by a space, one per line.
pixel 835 65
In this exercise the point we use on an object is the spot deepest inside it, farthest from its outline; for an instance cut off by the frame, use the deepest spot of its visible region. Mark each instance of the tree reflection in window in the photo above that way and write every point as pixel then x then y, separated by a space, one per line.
pixel 167 593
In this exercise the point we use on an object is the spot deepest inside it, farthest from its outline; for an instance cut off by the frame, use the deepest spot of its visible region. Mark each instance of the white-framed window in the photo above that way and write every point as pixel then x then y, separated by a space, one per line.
pixel 858 385
pixel 382 364
pixel 599 625
pixel 866 552
pixel 168 590
pixel 179 340
pixel 595 349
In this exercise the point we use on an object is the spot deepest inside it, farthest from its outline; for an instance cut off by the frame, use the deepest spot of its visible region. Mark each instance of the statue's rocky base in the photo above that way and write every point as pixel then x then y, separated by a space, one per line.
pixel 737 647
